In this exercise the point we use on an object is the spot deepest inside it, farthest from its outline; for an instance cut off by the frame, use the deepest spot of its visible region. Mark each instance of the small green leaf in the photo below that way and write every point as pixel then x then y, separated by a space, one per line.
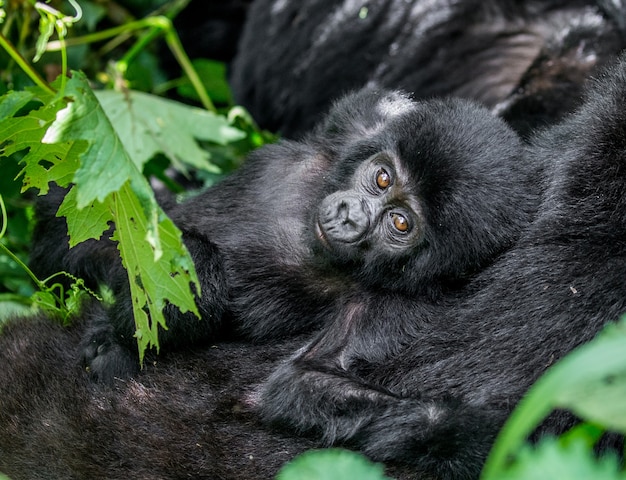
pixel 85 223
pixel 45 300
pixel 331 464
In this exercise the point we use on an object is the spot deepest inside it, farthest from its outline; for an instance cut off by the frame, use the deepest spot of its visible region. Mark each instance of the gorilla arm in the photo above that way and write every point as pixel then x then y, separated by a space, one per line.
pixel 323 390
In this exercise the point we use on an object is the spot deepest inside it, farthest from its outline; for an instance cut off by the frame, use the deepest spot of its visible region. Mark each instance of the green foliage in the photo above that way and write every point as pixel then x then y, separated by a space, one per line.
pixel 50 297
pixel 148 125
pixel 331 464
pixel 101 144
pixel 591 382
pixel 213 77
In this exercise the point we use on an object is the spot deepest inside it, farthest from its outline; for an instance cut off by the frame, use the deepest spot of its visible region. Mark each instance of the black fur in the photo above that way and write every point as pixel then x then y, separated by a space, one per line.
pixel 266 273
pixel 182 418
pixel 424 395
pixel 438 400
pixel 527 60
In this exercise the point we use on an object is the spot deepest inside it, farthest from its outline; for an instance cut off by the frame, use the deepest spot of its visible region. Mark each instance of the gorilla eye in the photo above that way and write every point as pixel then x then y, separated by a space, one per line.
pixel 400 222
pixel 383 179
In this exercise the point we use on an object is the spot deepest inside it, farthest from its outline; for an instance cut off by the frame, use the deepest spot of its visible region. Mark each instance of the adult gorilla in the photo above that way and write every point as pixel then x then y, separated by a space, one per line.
pixel 526 60
pixel 430 400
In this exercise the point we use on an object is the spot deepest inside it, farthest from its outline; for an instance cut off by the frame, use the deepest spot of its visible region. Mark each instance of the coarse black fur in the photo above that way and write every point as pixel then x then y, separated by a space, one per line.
pixel 438 400
pixel 268 264
pixel 183 417
pixel 429 395
pixel 526 60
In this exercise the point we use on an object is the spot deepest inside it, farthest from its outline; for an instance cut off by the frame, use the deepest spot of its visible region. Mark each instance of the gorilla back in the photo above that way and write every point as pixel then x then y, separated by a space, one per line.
pixel 388 198
pixel 528 61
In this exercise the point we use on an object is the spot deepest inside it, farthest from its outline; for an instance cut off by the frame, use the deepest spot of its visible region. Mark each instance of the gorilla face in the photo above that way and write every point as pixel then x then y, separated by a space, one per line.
pixel 416 194
pixel 375 212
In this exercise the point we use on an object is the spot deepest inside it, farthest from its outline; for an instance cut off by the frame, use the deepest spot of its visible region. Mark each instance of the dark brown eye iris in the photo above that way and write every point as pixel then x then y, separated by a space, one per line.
pixel 383 179
pixel 400 222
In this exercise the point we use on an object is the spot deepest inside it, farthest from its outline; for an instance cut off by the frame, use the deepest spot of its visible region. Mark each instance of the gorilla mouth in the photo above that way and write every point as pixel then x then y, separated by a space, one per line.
pixel 321 236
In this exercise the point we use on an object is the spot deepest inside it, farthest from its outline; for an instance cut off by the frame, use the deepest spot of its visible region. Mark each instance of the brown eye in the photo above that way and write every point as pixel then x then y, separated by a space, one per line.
pixel 400 222
pixel 383 180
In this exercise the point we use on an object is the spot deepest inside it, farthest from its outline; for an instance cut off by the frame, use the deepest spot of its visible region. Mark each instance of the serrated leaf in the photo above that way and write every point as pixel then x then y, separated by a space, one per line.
pixel 153 282
pixel 105 165
pixel 27 131
pixel 42 162
pixel 331 464
pixel 74 133
pixel 47 163
pixel 88 222
pixel 148 125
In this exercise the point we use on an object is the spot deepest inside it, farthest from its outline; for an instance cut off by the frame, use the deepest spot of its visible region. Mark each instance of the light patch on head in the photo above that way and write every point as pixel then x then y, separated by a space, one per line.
pixel 433 413
pixel 392 106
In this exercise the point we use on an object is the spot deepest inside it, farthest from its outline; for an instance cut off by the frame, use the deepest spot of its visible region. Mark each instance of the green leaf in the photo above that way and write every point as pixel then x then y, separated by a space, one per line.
pixel 45 300
pixel 590 381
pixel 87 222
pixel 552 460
pixel 11 103
pixel 73 140
pixel 42 162
pixel 47 163
pixel 331 464
pixel 152 281
pixel 148 125
pixel 105 165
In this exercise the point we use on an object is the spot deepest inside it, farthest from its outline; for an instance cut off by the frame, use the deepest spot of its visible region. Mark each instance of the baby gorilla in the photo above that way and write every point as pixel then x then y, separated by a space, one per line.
pixel 389 205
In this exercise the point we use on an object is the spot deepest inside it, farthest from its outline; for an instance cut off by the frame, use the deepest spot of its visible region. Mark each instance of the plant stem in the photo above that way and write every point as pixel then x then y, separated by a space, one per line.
pixel 6 44
pixel 173 42
pixel 5 249
pixel 63 62
pixel 157 26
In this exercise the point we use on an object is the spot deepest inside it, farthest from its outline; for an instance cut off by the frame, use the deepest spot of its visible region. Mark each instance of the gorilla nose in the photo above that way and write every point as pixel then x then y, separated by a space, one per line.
pixel 343 218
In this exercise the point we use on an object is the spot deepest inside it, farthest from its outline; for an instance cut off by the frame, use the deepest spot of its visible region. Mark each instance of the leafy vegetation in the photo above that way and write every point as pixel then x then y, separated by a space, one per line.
pixel 105 141
pixel 78 107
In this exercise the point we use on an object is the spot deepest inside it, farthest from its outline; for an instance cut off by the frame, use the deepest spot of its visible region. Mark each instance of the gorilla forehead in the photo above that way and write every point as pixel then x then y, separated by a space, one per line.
pixel 450 139
pixel 431 138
